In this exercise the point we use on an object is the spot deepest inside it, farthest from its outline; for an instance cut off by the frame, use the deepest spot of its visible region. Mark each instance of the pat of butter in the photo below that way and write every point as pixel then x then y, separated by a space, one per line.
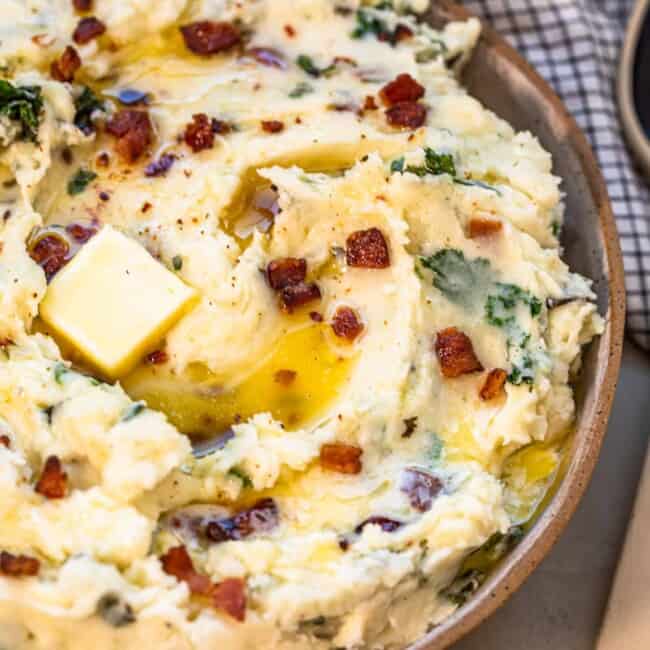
pixel 114 301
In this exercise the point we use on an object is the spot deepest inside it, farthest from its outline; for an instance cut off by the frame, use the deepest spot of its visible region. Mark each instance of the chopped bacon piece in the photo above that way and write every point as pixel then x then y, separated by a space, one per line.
pixel 494 384
pixel 178 563
pixel 18 566
pixel 199 134
pixel 5 441
pixel 420 487
pixel 290 31
pixel 346 323
pixel 338 457
pixel 161 166
pixel 297 295
pixel 409 115
pixel 53 482
pixel 88 29
pixel 260 518
pixel 209 37
pixel 456 353
pixel 367 249
pixel 157 357
pixel 82 5
pixel 402 89
pixel 272 126
pixel 64 68
pixel 51 253
pixel 317 317
pixel 482 227
pixel 410 425
pixel 285 271
pixel 402 32
pixel 285 377
pixel 133 131
pixel 230 596
pixel 80 232
pixel 268 56
pixel 386 524
pixel 369 103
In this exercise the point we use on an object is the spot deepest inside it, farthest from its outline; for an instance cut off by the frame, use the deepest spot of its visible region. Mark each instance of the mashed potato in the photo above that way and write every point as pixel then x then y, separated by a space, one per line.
pixel 378 356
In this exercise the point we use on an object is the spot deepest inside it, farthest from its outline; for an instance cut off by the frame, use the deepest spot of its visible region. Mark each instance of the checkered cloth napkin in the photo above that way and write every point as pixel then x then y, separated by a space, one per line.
pixel 575 44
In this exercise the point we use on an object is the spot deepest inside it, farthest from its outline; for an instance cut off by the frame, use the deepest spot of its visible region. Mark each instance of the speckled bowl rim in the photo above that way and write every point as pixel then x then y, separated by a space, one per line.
pixel 518 565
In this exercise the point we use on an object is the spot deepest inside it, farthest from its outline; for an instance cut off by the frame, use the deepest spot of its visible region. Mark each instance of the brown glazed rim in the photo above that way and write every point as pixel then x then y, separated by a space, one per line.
pixel 537 543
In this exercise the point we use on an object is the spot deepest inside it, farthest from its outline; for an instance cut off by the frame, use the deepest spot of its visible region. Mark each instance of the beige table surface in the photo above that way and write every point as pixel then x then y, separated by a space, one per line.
pixel 562 604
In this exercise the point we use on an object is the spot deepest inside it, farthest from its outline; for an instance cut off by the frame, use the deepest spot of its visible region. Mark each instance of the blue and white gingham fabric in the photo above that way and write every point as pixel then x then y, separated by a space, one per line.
pixel 575 46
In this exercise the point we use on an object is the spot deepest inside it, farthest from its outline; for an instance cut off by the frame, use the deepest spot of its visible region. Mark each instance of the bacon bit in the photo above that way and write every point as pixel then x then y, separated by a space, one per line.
pixel 81 232
pixel 209 37
pixel 103 159
pixel 410 424
pixel 87 30
pixel 456 353
pixel 104 196
pixel 386 524
pixel 260 518
pixel 272 126
pixel 146 206
pixel 157 357
pixel 220 127
pixel 367 249
pixel 420 487
pixel 18 566
pixel 286 271
pixel 133 131
pixel 268 56
pixel 369 104
pixel 402 32
pixel 402 89
pixel 285 377
pixel 64 68
pixel 199 134
pixel 410 115
pixel 317 317
pixel 482 227
pixel 51 253
pixel 494 384
pixel 297 295
pixel 230 596
pixel 338 457
pixel 290 31
pixel 161 166
pixel 178 563
pixel 53 481
pixel 344 544
pixel 82 5
pixel 5 441
pixel 346 323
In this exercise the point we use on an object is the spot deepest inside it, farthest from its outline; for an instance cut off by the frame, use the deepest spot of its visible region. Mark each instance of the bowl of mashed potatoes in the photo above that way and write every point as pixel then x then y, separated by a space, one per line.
pixel 291 354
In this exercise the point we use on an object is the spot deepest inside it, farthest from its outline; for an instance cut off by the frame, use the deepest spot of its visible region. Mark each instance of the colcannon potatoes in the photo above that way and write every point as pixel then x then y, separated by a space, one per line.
pixel 285 337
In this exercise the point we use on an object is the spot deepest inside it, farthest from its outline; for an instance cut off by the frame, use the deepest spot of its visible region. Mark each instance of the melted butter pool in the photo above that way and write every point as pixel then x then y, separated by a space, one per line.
pixel 296 383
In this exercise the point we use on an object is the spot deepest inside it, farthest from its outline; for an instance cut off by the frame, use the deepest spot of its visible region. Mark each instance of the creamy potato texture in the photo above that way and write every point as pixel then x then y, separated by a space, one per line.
pixel 369 397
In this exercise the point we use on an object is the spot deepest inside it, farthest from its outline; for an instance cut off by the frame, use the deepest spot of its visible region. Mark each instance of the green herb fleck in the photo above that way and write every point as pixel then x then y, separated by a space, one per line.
pixel 476 183
pixel 79 182
pixel 457 277
pixel 397 166
pixel 556 228
pixel 369 24
pixel 86 104
pixel 522 372
pixel 500 306
pixel 60 370
pixel 437 49
pixel 301 89
pixel 307 64
pixel 437 447
pixel 242 476
pixel 434 163
pixel 133 410
pixel 24 105
pixel 177 262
